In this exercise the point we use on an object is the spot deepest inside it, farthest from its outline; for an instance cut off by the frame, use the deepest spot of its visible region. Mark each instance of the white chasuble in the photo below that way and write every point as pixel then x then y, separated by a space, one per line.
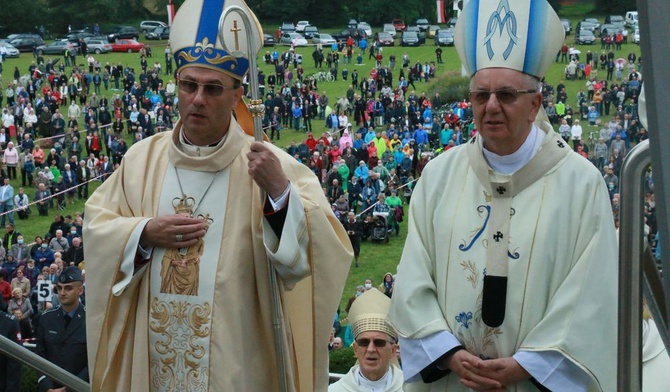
pixel 560 258
pixel 182 284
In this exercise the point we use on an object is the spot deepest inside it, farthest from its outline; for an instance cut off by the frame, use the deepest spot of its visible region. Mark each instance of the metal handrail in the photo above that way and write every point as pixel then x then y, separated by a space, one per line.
pixel 26 357
pixel 629 355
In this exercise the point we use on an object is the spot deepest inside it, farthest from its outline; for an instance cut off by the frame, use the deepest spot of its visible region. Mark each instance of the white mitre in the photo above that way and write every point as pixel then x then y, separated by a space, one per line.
pixel 524 35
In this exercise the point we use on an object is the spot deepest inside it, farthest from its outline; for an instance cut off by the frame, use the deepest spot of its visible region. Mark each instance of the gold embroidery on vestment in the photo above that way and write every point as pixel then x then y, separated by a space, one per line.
pixel 181 329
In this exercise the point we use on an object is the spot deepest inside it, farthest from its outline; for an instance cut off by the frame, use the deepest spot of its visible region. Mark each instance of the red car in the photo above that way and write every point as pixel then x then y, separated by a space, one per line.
pixel 399 24
pixel 127 45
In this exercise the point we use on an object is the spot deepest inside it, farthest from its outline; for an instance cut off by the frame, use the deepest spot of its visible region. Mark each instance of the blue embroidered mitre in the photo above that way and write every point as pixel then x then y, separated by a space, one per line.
pixel 194 37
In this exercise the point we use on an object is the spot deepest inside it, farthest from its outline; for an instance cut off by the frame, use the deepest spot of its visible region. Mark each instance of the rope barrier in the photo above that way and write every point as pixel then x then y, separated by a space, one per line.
pixel 56 194
pixel 398 188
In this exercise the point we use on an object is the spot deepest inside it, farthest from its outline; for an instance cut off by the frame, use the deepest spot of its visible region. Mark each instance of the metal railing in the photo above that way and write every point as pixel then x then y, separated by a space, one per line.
pixel 26 357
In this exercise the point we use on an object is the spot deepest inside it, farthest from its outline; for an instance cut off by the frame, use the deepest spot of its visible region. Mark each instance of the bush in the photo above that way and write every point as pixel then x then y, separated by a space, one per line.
pixel 342 360
pixel 451 86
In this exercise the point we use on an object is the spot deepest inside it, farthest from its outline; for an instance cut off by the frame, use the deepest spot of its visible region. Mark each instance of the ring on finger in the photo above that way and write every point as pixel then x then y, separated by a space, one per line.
pixel 179 237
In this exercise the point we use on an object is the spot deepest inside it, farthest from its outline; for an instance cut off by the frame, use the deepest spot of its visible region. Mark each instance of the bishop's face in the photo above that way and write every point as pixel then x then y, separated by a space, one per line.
pixel 374 361
pixel 504 126
pixel 206 117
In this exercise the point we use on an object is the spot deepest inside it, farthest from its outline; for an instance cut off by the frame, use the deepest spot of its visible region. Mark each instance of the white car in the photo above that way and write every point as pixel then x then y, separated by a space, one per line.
pixel 389 28
pixel 148 25
pixel 293 39
pixel 365 26
pixel 300 26
pixel 636 36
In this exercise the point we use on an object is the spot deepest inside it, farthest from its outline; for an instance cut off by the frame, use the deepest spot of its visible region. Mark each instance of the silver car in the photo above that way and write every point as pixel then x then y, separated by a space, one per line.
pixel 98 46
pixel 10 50
pixel 323 38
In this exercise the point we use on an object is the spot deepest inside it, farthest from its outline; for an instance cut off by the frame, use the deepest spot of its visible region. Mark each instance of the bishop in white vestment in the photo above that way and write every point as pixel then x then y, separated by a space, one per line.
pixel 508 278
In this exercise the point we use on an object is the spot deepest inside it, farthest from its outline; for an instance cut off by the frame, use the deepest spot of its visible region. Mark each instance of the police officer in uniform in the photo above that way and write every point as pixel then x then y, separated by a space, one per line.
pixel 10 370
pixel 61 335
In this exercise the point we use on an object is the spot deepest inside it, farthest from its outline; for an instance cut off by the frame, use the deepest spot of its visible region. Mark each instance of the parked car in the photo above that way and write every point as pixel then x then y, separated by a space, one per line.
pixel 567 26
pixel 410 38
pixel 56 47
pixel 148 25
pixel 98 46
pixel 123 32
pixel 10 49
pixel 609 29
pixel 452 22
pixel 27 44
pixel 585 37
pixel 616 20
pixel 432 29
pixel 636 36
pixel 444 37
pixel 419 33
pixel 127 45
pixel 310 31
pixel 399 24
pixel 594 22
pixel 300 26
pixel 346 33
pixel 12 37
pixel 75 37
pixel 323 39
pixel 586 26
pixel 384 39
pixel 631 18
pixel 422 24
pixel 287 27
pixel 352 24
pixel 365 26
pixel 158 33
pixel 389 28
pixel 269 40
pixel 293 39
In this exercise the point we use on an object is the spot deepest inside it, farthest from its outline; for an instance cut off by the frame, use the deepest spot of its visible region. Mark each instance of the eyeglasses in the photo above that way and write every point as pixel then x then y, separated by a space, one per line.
pixel 505 96
pixel 211 89
pixel 379 343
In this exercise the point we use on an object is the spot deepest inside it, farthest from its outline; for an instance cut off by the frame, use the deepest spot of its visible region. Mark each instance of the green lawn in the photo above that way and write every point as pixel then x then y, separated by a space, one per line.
pixel 375 259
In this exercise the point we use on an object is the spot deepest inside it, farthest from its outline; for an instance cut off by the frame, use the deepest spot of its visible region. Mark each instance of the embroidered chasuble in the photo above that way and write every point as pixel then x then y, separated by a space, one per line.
pixel 557 249
pixel 199 319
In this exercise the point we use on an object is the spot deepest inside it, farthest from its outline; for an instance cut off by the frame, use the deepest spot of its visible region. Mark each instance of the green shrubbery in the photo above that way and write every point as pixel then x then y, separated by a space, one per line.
pixel 451 86
pixel 342 360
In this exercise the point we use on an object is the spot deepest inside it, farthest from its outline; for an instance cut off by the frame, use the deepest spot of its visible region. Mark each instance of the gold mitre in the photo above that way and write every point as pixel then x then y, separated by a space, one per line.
pixel 523 35
pixel 194 36
pixel 368 313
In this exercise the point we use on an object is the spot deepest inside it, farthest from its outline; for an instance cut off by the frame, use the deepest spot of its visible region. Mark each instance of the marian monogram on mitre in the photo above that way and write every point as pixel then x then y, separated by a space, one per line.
pixel 180 268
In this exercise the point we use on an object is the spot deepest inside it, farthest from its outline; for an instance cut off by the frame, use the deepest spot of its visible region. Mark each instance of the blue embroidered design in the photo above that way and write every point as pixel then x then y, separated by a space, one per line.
pixel 513 256
pixel 466 247
pixel 464 318
pixel 508 23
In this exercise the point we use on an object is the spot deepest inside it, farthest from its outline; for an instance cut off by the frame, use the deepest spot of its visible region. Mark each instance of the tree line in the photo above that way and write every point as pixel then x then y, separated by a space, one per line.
pixel 57 15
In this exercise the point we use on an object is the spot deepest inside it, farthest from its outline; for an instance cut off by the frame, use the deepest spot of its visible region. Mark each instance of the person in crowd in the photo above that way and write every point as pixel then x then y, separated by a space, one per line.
pixel 175 252
pixel 20 307
pixel 354 228
pixel 441 294
pixel 10 370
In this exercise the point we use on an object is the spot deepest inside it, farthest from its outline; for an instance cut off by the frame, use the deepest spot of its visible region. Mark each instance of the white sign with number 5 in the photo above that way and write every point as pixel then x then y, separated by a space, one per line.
pixel 44 290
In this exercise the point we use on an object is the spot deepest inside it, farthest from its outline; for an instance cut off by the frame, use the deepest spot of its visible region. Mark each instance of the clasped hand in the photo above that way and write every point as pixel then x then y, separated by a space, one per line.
pixel 486 375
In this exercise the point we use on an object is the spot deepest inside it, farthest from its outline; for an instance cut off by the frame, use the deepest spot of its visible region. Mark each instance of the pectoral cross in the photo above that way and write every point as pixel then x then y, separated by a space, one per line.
pixel 236 31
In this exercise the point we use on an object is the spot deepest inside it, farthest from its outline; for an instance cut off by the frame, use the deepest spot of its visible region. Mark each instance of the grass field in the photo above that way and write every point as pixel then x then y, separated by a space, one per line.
pixel 375 259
